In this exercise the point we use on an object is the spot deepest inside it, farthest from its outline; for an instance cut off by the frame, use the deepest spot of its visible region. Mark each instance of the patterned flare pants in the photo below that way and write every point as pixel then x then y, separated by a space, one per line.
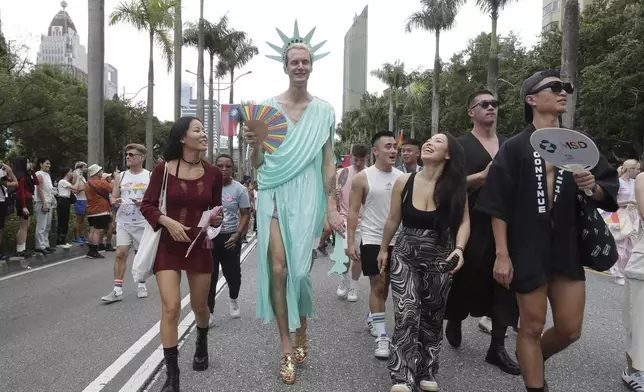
pixel 419 288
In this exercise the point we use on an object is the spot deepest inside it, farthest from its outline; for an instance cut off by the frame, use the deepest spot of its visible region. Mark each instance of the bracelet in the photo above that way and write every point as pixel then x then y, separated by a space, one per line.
pixel 461 249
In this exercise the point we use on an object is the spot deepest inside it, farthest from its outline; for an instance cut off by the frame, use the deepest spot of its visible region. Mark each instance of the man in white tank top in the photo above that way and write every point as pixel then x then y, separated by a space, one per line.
pixel 128 192
pixel 348 289
pixel 372 189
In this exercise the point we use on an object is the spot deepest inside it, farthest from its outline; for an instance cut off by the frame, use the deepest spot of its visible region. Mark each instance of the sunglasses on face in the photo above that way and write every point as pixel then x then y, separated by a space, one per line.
pixel 222 166
pixel 486 104
pixel 556 87
pixel 131 155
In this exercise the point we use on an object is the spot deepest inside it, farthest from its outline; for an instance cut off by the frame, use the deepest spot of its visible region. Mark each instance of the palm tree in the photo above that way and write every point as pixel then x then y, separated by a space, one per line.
pixel 435 16
pixel 95 100
pixel 493 7
pixel 156 18
pixel 200 48
pixel 178 25
pixel 216 37
pixel 237 54
pixel 569 57
pixel 394 76
pixel 414 102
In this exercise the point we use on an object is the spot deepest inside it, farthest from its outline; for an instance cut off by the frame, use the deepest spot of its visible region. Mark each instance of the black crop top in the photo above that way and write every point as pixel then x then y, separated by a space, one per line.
pixel 412 217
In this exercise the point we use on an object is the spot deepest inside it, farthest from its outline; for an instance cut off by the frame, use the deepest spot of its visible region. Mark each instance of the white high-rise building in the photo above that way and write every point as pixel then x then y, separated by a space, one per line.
pixel 62 46
pixel 553 13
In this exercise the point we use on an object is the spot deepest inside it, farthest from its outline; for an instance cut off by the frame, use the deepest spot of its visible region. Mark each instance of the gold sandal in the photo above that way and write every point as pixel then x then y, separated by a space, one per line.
pixel 301 348
pixel 287 369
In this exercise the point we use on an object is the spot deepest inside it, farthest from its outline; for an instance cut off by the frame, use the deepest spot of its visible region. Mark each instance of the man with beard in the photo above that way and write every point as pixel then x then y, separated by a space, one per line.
pixel 474 290
pixel 373 188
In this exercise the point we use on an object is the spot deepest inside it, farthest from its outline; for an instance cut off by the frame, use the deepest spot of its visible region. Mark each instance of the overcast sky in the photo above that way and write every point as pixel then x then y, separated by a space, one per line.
pixel 127 49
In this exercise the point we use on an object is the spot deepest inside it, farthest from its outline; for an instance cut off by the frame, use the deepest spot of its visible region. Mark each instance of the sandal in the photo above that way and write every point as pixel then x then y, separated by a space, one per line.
pixel 287 369
pixel 301 348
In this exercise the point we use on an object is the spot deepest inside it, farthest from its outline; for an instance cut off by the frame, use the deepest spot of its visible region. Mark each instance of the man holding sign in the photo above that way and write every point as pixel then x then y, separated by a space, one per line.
pixel 297 184
pixel 533 206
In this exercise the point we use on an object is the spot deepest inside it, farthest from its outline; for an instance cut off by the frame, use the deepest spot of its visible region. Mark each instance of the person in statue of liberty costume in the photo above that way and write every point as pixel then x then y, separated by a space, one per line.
pixel 296 186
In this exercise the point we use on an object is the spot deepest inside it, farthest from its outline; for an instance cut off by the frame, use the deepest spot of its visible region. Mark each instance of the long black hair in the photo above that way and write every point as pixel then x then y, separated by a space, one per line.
pixel 450 194
pixel 174 148
pixel 20 170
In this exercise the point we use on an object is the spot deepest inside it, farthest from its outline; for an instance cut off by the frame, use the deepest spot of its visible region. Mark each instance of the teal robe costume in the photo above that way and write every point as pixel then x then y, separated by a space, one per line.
pixel 291 178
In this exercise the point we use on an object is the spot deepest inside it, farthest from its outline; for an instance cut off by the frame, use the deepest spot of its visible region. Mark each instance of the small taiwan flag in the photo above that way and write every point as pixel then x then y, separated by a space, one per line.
pixel 345 160
pixel 229 120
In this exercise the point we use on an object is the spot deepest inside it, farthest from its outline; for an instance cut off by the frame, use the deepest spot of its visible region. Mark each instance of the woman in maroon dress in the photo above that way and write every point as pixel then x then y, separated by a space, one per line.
pixel 193 186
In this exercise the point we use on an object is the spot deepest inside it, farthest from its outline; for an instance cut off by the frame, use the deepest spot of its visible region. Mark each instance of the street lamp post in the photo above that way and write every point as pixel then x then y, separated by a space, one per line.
pixel 211 111
pixel 133 94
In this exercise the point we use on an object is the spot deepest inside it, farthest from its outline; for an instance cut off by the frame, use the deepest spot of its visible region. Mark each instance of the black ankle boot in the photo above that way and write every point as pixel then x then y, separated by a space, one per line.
pixel 200 361
pixel 453 333
pixel 172 369
pixel 497 356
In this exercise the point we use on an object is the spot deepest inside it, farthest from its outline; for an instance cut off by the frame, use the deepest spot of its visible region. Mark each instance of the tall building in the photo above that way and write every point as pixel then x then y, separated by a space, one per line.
pixel 189 108
pixel 553 13
pixel 354 83
pixel 110 81
pixel 61 46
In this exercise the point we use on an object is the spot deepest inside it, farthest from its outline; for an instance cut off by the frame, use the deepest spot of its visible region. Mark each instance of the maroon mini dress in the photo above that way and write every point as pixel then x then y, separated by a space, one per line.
pixel 186 202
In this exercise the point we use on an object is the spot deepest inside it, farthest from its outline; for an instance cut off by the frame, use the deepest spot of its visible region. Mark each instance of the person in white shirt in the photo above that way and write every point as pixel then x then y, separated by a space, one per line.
pixel 66 198
pixel 127 194
pixel 372 189
pixel 44 203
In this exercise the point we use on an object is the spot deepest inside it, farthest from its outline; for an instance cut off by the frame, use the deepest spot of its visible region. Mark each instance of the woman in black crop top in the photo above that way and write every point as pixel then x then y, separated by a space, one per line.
pixel 432 205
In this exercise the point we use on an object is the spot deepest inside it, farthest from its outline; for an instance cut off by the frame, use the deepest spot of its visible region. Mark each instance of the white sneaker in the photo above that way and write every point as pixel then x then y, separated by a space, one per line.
pixel 234 308
pixel 382 347
pixel 400 388
pixel 353 295
pixel 620 281
pixel 635 381
pixel 371 327
pixel 141 292
pixel 112 297
pixel 211 322
pixel 343 288
pixel 428 385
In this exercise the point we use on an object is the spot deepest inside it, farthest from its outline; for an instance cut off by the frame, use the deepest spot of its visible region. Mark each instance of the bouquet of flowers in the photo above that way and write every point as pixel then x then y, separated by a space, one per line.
pixel 209 231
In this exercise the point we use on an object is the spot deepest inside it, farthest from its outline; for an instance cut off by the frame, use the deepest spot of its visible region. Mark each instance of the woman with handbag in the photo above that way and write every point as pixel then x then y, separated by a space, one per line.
pixel 633 312
pixel 181 189
pixel 66 199
pixel 626 233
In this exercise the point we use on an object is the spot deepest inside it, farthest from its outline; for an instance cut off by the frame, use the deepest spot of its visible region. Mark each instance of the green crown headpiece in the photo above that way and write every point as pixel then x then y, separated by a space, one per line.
pixel 288 42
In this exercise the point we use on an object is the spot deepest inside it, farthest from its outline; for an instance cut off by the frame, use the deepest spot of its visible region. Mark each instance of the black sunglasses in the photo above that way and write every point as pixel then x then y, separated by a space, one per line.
pixel 556 87
pixel 486 104
pixel 131 155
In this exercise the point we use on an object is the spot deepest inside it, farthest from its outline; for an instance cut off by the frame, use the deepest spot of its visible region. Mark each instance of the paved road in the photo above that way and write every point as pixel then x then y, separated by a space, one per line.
pixel 57 335
pixel 245 353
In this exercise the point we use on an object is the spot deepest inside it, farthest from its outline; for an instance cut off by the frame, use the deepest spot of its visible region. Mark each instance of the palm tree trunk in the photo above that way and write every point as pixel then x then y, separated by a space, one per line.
pixel 178 45
pixel 391 108
pixel 569 56
pixel 200 77
pixel 436 87
pixel 493 67
pixel 149 132
pixel 413 129
pixel 230 101
pixel 96 57
pixel 211 114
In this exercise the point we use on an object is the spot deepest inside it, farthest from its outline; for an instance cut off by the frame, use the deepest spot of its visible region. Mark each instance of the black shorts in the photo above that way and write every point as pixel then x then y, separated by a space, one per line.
pixel 100 222
pixel 3 214
pixel 369 259
pixel 30 207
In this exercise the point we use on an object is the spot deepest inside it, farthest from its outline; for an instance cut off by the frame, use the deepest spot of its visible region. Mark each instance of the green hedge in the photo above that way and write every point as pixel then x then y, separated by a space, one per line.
pixel 11 229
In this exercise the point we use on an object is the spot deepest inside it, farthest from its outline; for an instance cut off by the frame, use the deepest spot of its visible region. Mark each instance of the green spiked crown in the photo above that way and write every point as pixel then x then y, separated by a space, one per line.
pixel 288 42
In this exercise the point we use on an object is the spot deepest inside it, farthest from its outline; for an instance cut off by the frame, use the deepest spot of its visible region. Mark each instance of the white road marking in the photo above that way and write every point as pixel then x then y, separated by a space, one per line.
pixel 42 268
pixel 119 364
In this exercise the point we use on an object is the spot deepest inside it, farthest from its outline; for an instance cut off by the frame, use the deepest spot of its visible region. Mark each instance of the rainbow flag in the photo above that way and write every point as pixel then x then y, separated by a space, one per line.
pixel 400 139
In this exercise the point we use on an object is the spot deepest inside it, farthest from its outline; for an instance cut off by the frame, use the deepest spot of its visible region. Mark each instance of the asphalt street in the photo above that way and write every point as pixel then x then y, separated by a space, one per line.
pixel 56 335
pixel 245 353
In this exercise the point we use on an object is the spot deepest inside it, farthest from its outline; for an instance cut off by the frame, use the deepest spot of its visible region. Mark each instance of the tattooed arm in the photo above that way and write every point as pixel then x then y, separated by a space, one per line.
pixel 329 177
pixel 343 175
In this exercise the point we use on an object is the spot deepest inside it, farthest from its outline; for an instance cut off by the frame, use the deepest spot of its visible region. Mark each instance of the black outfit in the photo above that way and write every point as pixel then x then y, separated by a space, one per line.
pixel 230 261
pixel 369 259
pixel 63 211
pixel 474 291
pixel 542 242
pixel 420 284
pixel 3 214
pixel 100 222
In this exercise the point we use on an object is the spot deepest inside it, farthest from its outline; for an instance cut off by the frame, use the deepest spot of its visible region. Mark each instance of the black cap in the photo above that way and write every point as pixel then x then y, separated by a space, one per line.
pixel 528 85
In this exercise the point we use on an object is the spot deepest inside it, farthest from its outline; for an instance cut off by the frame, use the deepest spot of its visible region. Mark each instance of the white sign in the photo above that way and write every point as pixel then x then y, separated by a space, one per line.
pixel 566 149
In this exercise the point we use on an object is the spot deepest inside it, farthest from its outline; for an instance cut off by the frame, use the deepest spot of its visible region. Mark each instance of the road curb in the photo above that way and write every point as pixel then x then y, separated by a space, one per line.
pixel 18 264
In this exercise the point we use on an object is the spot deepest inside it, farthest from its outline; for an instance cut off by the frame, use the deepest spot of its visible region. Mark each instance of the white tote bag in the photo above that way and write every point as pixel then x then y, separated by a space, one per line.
pixel 143 266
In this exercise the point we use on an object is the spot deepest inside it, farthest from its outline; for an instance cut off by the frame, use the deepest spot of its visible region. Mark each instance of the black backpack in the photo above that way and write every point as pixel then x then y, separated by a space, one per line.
pixel 9 199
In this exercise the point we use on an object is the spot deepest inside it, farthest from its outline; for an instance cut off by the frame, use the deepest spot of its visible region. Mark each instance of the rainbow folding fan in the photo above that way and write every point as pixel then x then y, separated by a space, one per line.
pixel 268 123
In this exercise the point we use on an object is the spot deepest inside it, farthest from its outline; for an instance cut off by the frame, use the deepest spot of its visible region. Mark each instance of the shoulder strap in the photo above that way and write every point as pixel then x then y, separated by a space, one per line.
pixel 409 187
pixel 122 176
